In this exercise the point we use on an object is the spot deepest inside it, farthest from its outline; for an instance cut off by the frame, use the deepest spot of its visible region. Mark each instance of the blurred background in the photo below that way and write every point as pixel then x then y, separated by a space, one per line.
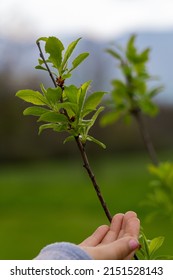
pixel 45 195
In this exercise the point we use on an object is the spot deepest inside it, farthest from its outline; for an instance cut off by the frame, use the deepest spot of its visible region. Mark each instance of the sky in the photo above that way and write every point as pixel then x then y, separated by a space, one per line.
pixel 99 19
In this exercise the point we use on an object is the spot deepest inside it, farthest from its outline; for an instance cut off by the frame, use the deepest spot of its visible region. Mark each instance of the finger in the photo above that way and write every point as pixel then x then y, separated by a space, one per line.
pixel 118 250
pixel 124 248
pixel 114 230
pixel 131 227
pixel 96 237
pixel 125 224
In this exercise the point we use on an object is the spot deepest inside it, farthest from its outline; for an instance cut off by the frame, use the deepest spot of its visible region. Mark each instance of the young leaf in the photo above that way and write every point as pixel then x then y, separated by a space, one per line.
pixel 39 67
pixel 145 245
pixel 153 92
pixel 68 52
pixel 42 39
pixel 68 139
pixel 71 93
pixel 78 60
pixel 31 96
pixel 144 56
pixel 71 108
pixel 110 117
pixel 131 51
pixel 155 244
pixel 54 47
pixel 35 111
pixel 92 139
pixel 114 54
pixel 92 102
pixel 81 94
pixel 95 116
pixel 53 117
pixel 55 127
pixel 53 95
pixel 44 91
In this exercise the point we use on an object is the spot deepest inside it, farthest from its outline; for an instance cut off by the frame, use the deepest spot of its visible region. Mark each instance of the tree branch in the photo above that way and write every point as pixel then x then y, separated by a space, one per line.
pixel 83 155
pixel 92 177
pixel 146 137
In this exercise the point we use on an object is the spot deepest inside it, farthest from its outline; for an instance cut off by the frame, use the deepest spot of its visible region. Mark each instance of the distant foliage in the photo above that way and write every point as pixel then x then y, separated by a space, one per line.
pixel 131 93
pixel 159 198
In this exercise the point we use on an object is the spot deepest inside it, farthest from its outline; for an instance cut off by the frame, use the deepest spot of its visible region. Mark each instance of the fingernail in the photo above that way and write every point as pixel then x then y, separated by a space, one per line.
pixel 134 244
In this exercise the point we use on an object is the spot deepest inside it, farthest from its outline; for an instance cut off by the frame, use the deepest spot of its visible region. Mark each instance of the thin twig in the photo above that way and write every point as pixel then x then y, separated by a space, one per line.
pixel 92 177
pixel 136 112
pixel 146 137
pixel 48 69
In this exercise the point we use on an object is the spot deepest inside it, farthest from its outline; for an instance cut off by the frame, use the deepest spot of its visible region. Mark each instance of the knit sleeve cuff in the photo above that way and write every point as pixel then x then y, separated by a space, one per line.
pixel 62 251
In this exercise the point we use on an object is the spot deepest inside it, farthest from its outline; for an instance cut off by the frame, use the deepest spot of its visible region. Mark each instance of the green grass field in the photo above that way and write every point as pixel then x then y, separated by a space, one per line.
pixel 45 202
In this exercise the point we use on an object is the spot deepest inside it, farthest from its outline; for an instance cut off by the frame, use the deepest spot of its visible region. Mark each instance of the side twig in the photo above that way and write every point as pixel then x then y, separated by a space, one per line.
pixel 47 67
pixel 146 137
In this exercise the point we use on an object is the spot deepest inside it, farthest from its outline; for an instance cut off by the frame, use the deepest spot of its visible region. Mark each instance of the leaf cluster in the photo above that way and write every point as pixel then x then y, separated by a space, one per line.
pixel 160 197
pixel 149 248
pixel 58 57
pixel 131 93
pixel 63 108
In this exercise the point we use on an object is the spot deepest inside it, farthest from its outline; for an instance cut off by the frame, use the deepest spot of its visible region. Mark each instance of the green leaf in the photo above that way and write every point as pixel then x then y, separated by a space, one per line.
pixel 92 102
pixel 54 47
pixel 55 127
pixel 69 106
pixel 131 51
pixel 155 244
pixel 42 39
pixel 110 118
pixel 71 93
pixel 66 76
pixel 39 67
pixel 40 61
pixel 43 89
pixel 35 111
pixel 153 92
pixel 96 114
pixel 147 106
pixel 81 94
pixel 31 96
pixel 46 126
pixel 53 117
pixel 92 139
pixel 114 54
pixel 78 60
pixel 145 245
pixel 144 56
pixel 53 95
pixel 68 139
pixel 69 51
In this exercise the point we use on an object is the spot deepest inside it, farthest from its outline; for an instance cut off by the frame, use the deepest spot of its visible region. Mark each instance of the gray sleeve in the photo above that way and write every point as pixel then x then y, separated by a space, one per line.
pixel 62 251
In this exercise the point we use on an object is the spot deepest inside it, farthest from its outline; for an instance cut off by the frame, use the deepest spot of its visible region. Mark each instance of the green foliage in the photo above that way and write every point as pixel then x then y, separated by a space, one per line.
pixel 131 93
pixel 54 48
pixel 70 109
pixel 160 197
pixel 64 108
pixel 149 248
